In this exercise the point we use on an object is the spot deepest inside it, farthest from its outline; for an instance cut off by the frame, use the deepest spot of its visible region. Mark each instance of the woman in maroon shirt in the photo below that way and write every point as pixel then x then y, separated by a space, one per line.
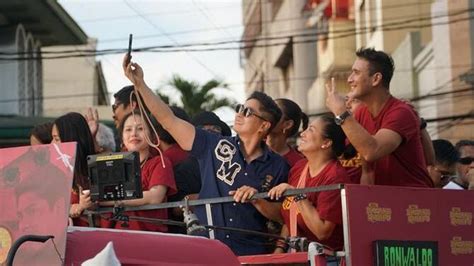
pixel 318 215
pixel 291 119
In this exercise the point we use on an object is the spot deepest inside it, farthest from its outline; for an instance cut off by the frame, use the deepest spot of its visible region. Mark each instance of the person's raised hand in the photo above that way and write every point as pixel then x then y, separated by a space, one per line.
pixel 85 199
pixel 132 71
pixel 92 118
pixel 335 102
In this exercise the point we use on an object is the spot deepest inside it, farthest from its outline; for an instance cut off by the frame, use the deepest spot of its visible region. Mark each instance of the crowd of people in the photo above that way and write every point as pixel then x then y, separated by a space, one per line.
pixel 368 137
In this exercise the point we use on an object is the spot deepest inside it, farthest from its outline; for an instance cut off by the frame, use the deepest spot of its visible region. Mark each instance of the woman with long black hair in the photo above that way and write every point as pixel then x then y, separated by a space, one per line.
pixel 68 128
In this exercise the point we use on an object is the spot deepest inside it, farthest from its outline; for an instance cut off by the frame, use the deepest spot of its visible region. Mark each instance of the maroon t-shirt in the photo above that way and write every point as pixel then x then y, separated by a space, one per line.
pixel 327 203
pixel 175 154
pixel 153 174
pixel 405 166
pixel 353 168
pixel 292 157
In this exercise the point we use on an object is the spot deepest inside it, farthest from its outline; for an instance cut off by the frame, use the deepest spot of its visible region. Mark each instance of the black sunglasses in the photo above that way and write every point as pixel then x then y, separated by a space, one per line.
pixel 115 106
pixel 245 111
pixel 466 160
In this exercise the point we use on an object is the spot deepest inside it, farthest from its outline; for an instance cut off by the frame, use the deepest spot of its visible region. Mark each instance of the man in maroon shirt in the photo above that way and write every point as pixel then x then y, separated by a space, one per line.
pixel 385 131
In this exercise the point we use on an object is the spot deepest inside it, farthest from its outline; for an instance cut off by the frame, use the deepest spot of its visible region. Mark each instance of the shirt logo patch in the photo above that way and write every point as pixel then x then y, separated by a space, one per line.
pixel 225 153
pixel 266 184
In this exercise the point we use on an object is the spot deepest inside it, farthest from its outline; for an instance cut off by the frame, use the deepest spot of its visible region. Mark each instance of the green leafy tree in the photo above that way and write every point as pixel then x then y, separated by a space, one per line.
pixel 197 98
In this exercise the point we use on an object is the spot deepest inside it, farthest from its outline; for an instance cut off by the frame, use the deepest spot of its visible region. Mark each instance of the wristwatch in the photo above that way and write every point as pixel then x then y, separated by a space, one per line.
pixel 339 119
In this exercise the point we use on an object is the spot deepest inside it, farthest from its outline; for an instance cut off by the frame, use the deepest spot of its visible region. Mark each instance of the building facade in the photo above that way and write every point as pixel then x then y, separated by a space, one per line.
pixel 33 87
pixel 278 57
pixel 432 43
pixel 26 27
pixel 74 83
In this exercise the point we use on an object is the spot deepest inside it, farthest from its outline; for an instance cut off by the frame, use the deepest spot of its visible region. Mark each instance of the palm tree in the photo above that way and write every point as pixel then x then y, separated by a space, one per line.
pixel 197 98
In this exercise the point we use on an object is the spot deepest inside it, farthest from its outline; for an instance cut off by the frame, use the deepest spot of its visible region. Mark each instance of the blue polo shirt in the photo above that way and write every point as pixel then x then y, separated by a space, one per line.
pixel 223 168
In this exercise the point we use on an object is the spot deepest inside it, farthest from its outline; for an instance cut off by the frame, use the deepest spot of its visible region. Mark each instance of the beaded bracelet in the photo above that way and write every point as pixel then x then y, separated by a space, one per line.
pixel 300 197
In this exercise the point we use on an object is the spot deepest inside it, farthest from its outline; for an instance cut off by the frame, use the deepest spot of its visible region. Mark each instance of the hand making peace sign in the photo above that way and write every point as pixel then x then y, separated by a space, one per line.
pixel 335 102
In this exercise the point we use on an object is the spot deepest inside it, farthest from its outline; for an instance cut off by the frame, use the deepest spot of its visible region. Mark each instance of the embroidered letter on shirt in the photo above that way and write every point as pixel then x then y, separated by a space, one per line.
pixel 227 171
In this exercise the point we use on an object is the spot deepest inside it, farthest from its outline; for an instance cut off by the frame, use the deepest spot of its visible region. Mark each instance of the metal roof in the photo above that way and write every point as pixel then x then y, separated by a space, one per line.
pixel 45 19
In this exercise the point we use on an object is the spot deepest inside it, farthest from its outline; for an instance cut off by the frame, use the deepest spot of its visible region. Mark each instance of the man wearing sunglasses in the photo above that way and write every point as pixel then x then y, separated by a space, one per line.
pixel 444 168
pixel 238 166
pixel 122 105
pixel 464 166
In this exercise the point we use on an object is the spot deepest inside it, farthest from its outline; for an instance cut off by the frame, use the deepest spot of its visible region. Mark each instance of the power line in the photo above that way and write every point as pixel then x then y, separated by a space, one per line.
pixel 169 37
pixel 470 89
pixel 455 92
pixel 270 38
pixel 96 94
pixel 420 98
pixel 451 121
pixel 204 13
pixel 165 13
pixel 469 114
pixel 343 30
pixel 177 12
pixel 179 48
pixel 452 100
pixel 253 24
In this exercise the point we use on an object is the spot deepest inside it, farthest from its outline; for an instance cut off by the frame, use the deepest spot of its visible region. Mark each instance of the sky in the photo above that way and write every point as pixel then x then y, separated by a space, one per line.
pixel 166 22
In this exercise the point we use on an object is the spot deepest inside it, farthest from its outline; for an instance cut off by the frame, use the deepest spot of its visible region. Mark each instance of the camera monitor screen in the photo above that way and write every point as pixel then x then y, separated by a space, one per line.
pixel 115 176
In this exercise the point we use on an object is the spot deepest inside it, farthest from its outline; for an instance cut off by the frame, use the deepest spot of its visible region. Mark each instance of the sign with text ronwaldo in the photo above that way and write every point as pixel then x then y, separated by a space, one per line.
pixel 35 187
pixel 380 213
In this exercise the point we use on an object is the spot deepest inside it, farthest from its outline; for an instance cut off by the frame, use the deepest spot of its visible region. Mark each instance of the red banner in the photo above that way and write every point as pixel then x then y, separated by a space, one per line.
pixel 35 185
pixel 410 214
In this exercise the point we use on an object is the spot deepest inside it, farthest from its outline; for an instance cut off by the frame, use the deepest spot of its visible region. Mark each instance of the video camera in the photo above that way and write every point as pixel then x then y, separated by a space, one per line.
pixel 115 176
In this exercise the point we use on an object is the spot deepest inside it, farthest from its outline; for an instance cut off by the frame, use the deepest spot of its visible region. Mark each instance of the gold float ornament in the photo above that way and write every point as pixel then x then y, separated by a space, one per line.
pixel 457 217
pixel 5 243
pixel 460 246
pixel 417 215
pixel 378 214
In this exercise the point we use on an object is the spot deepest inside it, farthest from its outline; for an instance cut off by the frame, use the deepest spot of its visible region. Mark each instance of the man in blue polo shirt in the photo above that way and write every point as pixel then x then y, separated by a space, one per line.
pixel 239 166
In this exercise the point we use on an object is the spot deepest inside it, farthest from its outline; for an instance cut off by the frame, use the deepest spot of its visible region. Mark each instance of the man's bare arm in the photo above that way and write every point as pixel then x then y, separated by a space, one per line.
pixel 371 148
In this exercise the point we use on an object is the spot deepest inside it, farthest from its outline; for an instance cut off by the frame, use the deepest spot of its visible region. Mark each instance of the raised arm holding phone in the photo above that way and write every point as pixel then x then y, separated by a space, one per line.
pixel 240 166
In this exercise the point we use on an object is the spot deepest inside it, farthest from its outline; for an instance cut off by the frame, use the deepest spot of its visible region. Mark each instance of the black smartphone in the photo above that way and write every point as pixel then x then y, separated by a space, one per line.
pixel 129 52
